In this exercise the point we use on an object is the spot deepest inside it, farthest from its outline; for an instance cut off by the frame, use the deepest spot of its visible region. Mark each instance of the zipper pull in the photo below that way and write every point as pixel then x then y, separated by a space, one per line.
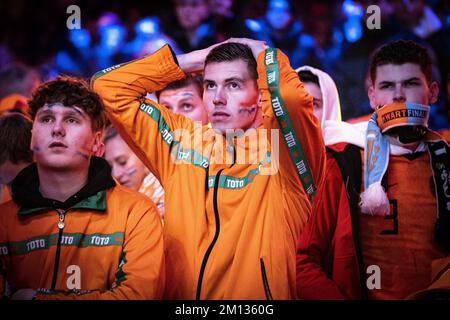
pixel 61 224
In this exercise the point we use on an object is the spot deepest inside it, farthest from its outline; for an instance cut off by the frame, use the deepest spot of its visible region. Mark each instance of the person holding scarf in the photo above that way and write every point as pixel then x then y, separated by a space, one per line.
pixel 381 216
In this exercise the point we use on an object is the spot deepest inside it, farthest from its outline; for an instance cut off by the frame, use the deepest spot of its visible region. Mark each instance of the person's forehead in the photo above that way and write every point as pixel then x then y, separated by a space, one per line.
pixel 186 92
pixel 220 71
pixel 313 89
pixel 398 72
pixel 59 108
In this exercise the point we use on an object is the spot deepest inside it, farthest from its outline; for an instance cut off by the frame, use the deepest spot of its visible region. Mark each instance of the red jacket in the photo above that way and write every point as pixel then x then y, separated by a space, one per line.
pixel 327 263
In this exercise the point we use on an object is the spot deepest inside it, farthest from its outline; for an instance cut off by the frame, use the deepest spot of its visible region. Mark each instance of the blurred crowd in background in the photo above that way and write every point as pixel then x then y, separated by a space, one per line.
pixel 36 45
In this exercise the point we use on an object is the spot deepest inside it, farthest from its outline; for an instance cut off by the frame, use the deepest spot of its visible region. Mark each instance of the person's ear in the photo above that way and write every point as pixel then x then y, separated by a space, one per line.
pixel 371 95
pixel 434 92
pixel 98 148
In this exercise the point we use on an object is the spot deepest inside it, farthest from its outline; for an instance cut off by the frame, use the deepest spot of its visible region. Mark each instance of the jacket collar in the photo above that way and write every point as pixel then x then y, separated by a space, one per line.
pixel 25 190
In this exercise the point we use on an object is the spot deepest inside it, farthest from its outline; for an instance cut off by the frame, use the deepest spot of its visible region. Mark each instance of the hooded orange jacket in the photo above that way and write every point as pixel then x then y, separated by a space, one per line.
pixel 230 230
pixel 111 246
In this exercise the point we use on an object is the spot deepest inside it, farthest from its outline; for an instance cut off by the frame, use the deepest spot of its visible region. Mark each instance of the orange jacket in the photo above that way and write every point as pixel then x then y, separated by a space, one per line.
pixel 445 133
pixel 4 194
pixel 111 246
pixel 14 102
pixel 230 231
pixel 339 243
pixel 153 189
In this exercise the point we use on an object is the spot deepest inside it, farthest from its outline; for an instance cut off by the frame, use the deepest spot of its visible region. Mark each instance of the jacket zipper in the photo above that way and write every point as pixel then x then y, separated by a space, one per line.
pixel 61 226
pixel 216 235
pixel 265 281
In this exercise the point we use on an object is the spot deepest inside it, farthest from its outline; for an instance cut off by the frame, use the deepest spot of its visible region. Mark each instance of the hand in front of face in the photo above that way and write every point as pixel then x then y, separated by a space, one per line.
pixel 255 45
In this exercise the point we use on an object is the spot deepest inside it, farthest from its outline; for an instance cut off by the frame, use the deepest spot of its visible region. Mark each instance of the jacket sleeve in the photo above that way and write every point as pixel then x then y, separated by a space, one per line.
pixel 147 127
pixel 141 272
pixel 287 106
pixel 325 251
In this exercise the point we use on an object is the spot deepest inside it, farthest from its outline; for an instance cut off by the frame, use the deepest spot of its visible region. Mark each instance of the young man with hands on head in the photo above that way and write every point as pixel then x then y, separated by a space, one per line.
pixel 234 208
